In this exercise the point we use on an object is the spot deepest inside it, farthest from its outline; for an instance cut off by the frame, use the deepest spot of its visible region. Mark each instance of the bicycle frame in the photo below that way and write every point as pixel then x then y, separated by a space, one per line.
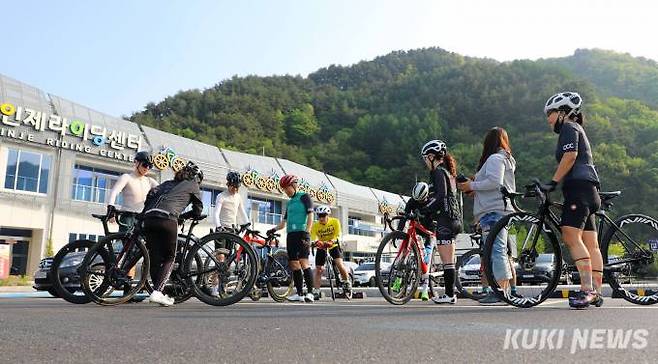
pixel 413 238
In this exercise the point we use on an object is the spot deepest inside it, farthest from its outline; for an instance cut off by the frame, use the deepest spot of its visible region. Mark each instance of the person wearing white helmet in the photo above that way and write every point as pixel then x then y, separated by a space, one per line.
pixel 580 184
pixel 327 230
pixel 418 202
pixel 444 204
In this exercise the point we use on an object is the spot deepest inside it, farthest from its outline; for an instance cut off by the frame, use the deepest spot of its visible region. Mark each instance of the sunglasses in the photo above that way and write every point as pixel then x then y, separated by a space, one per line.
pixel 146 165
pixel 322 215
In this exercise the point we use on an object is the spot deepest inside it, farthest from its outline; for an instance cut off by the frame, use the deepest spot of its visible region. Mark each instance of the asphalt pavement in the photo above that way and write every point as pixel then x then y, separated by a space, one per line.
pixel 41 329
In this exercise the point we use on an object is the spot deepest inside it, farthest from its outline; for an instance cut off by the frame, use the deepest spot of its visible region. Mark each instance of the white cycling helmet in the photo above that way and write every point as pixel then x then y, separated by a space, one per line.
pixel 569 102
pixel 421 191
pixel 434 146
pixel 323 210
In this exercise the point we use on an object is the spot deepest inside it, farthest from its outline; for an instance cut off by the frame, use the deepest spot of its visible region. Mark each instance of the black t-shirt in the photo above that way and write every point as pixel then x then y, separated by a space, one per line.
pixel 573 139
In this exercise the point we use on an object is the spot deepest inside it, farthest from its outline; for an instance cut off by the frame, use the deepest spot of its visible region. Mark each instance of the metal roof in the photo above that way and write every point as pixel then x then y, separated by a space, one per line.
pixel 242 162
pixel 353 196
pixel 313 177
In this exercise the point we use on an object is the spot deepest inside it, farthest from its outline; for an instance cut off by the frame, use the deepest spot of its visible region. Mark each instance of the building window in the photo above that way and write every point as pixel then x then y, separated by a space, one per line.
pixel 94 184
pixel 269 211
pixel 355 226
pixel 208 197
pixel 27 171
pixel 75 236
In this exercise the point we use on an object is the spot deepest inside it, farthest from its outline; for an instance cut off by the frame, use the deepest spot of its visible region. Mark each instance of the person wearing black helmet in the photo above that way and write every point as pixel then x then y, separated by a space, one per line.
pixel 580 184
pixel 162 211
pixel 134 187
pixel 229 211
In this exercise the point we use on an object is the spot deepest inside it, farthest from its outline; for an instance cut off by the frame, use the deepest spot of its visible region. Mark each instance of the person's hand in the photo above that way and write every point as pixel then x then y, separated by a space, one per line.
pixel 548 187
pixel 465 187
pixel 271 231
pixel 111 212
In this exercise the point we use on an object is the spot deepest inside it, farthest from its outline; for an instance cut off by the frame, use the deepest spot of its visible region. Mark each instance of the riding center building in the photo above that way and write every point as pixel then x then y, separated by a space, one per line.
pixel 59 161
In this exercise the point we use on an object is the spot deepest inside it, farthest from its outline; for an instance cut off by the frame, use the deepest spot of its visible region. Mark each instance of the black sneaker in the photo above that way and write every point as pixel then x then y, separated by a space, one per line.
pixel 583 299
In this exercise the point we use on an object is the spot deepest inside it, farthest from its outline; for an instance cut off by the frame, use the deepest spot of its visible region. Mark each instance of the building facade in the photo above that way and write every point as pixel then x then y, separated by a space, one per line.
pixel 59 160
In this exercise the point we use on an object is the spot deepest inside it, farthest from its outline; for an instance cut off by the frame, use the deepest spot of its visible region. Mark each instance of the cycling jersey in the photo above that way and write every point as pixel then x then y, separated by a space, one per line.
pixel 326 232
pixel 227 208
pixel 573 139
pixel 134 189
pixel 297 210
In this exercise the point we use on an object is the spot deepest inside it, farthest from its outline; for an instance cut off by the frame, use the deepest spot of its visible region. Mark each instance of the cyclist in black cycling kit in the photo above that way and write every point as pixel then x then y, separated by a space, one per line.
pixel 443 202
pixel 580 189
pixel 162 210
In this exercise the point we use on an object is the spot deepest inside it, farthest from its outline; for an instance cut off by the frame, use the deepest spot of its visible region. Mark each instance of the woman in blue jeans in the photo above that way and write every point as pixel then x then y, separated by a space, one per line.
pixel 495 170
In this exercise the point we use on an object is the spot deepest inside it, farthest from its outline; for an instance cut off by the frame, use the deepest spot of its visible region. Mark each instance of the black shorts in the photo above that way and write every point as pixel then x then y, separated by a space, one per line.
pixel 321 256
pixel 447 229
pixel 581 201
pixel 298 244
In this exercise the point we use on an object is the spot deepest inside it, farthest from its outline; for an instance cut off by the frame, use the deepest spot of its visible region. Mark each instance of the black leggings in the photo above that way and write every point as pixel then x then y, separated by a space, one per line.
pixel 161 235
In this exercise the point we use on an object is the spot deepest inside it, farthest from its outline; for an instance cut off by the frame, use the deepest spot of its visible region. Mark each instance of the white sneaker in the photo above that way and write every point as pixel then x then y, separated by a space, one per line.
pixel 295 298
pixel 171 299
pixel 309 297
pixel 445 299
pixel 159 298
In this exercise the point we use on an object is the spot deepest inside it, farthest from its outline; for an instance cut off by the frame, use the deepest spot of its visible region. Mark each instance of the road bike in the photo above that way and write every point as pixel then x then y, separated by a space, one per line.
pixel 628 244
pixel 332 271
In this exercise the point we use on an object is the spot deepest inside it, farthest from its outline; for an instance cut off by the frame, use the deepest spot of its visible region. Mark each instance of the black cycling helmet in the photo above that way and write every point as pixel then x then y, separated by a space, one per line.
pixel 144 158
pixel 233 179
pixel 193 172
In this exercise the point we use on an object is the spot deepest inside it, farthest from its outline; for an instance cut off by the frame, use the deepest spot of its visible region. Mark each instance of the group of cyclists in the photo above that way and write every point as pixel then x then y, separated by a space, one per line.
pixel 437 202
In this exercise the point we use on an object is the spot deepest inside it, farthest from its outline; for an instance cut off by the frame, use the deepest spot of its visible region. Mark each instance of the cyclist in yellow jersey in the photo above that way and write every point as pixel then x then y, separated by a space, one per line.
pixel 327 229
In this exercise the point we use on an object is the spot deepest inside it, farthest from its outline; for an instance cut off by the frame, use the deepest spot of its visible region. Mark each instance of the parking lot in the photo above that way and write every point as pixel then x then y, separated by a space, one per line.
pixel 36 328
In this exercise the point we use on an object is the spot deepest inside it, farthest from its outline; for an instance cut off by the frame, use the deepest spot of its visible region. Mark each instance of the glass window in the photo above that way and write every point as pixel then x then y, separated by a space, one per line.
pixel 94 184
pixel 27 171
pixel 356 227
pixel 269 211
pixel 73 237
pixel 208 197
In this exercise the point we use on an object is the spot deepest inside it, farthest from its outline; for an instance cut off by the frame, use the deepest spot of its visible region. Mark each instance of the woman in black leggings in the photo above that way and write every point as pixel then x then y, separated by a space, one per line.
pixel 162 210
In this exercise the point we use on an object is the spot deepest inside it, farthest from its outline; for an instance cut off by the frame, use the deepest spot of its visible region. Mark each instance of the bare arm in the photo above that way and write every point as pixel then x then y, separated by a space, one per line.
pixel 567 161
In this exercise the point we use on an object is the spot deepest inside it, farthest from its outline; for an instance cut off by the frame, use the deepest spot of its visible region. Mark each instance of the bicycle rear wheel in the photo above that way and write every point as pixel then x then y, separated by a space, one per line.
pixel 397 272
pixel 64 274
pixel 115 263
pixel 540 258
pixel 630 258
pixel 470 278
pixel 279 283
pixel 235 273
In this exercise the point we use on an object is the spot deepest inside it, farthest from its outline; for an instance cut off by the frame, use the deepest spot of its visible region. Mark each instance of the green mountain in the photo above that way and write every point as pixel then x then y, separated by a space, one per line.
pixel 366 122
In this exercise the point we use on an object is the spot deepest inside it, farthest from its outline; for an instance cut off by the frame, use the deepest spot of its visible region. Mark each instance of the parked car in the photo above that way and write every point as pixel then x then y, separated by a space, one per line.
pixel 68 274
pixel 470 272
pixel 42 277
pixel 622 271
pixel 364 275
pixel 541 272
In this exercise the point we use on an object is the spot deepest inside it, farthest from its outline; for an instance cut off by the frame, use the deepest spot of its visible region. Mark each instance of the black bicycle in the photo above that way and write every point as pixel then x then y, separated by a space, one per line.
pixel 469 276
pixel 274 274
pixel 333 274
pixel 629 247
pixel 120 262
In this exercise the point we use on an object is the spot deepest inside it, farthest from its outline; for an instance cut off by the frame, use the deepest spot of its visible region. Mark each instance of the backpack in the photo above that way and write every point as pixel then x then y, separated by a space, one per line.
pixel 453 203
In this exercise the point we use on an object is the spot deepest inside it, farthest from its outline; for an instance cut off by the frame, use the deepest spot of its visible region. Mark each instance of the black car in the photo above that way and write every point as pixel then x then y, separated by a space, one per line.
pixel 68 274
pixel 540 272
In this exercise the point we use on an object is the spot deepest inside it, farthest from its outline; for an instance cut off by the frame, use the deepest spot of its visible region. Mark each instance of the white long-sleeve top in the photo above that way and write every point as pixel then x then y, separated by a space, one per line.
pixel 227 208
pixel 134 189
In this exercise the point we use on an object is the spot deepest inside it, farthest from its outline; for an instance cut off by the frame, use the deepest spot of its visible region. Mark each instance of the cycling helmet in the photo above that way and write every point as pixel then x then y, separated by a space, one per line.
pixel 435 146
pixel 421 191
pixel 233 179
pixel 144 158
pixel 193 172
pixel 288 180
pixel 569 102
pixel 323 210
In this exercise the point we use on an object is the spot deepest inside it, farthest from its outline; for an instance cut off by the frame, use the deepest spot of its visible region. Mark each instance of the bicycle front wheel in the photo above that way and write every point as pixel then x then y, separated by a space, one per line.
pixel 279 283
pixel 64 274
pixel 539 261
pixel 630 258
pixel 397 268
pixel 330 277
pixel 226 278
pixel 114 269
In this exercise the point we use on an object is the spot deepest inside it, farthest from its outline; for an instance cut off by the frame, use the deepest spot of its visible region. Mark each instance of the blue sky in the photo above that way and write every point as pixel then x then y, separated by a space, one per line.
pixel 116 56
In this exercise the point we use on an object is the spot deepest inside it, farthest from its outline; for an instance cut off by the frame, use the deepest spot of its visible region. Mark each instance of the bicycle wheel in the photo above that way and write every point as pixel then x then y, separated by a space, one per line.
pixel 397 270
pixel 64 275
pixel 340 284
pixel 469 277
pixel 630 258
pixel 330 277
pixel 279 283
pixel 124 270
pixel 179 287
pixel 235 273
pixel 540 258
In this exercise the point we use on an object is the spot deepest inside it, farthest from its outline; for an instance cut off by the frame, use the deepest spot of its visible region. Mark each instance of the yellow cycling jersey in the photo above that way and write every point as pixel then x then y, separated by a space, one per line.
pixel 326 232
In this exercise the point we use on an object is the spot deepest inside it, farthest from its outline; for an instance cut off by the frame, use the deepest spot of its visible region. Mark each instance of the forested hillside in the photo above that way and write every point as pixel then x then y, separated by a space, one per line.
pixel 366 122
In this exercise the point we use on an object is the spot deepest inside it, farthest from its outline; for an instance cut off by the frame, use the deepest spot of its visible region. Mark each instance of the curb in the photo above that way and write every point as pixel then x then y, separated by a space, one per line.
pixel 14 289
